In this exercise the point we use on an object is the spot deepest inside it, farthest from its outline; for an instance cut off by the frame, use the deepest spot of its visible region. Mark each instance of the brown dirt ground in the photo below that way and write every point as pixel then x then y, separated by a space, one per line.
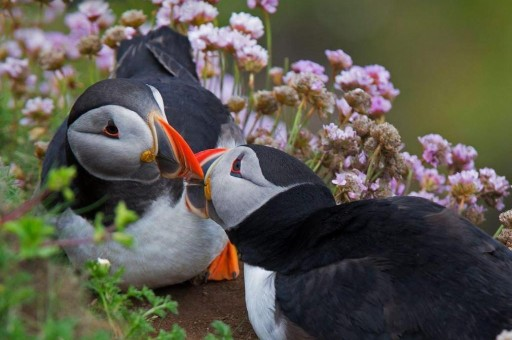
pixel 199 305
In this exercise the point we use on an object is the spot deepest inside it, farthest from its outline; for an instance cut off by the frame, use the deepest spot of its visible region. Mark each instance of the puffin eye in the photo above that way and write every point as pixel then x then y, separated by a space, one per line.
pixel 110 130
pixel 236 167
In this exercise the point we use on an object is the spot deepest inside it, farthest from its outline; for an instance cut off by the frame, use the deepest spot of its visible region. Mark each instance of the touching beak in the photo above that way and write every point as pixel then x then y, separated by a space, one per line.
pixel 174 156
pixel 198 194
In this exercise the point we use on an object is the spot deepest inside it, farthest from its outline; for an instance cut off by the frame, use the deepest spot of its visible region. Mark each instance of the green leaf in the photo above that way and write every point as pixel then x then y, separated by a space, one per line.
pixel 221 331
pixel 126 240
pixel 176 333
pixel 32 232
pixel 60 178
pixel 124 216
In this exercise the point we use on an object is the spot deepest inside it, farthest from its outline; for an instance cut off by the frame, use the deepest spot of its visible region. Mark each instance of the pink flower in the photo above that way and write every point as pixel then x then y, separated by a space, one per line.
pixel 93 9
pixel 252 58
pixel 431 197
pixel 204 37
pixel 105 59
pixel 79 25
pixel 14 68
pixel 308 66
pixel 465 185
pixel 234 41
pixel 248 24
pixel 436 150
pixel 379 74
pixel 380 105
pixel 13 48
pixel 334 133
pixel 32 39
pixel 269 6
pixel 351 183
pixel 355 77
pixel 195 12
pixel 36 110
pixel 432 181
pixel 495 188
pixel 163 16
pixel 463 157
pixel 53 10
pixel 414 165
pixel 343 107
pixel 338 59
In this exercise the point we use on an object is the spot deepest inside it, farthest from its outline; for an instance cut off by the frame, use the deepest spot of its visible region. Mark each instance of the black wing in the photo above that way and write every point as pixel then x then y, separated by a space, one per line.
pixel 406 268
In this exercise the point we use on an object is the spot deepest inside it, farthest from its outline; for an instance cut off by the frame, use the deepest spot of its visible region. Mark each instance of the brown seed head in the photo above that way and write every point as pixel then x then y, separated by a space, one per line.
pixel 89 45
pixel 113 36
pixel 286 95
pixel 265 103
pixel 387 136
pixel 359 100
pixel 506 219
pixel 236 104
pixel 133 18
pixel 52 60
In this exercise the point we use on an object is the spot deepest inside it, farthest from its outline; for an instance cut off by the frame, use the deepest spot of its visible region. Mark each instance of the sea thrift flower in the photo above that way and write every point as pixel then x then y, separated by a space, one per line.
pixel 307 66
pixel 114 35
pixel 307 84
pixel 133 18
pixel 247 24
pixel 432 181
pixel 351 185
pixel 265 103
pixel 53 10
pixel 495 188
pixel 52 60
pixel 10 48
pixel 33 40
pixel 37 110
pixel 233 41
pixel 506 219
pixel 204 37
pixel 269 6
pixel 286 95
pixel 276 74
pixel 16 69
pixel 105 59
pixel 93 9
pixel 195 13
pixel 252 58
pixel 430 196
pixel 464 186
pixel 380 105
pixel 359 100
pixel 463 157
pixel 338 59
pixel 89 45
pixel 236 104
pixel 414 165
pixel 474 213
pixel 79 25
pixel 343 107
pixel 344 141
pixel 436 150
pixel 163 15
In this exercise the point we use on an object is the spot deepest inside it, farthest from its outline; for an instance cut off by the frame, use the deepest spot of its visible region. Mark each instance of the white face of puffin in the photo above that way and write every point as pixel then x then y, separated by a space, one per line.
pixel 237 187
pixel 108 142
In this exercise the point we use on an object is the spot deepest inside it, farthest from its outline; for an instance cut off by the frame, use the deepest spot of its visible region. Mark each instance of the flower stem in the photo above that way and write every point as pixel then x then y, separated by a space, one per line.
pixel 371 165
pixel 296 127
pixel 498 232
pixel 269 47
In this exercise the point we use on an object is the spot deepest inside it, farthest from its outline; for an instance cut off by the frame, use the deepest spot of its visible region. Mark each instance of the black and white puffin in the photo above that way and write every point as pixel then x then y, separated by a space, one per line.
pixel 129 139
pixel 395 268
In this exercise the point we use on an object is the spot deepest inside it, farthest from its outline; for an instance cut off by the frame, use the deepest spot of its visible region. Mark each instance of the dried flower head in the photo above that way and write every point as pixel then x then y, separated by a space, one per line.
pixel 359 100
pixel 362 125
pixel 89 45
pixel 265 103
pixel 133 18
pixel 308 66
pixel 276 74
pixel 114 35
pixel 286 95
pixel 495 188
pixel 52 60
pixel 236 104
pixel 506 219
pixel 387 137
pixel 40 149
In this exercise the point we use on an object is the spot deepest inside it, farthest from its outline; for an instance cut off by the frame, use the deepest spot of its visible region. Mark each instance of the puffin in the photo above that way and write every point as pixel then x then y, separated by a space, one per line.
pixel 132 139
pixel 394 268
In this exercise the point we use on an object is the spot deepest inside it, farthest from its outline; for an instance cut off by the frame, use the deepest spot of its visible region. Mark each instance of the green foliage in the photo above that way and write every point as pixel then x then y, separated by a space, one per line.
pixel 221 331
pixel 32 232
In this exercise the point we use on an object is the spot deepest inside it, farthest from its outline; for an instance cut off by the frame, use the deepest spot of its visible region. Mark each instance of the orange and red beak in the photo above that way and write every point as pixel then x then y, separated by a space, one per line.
pixel 175 158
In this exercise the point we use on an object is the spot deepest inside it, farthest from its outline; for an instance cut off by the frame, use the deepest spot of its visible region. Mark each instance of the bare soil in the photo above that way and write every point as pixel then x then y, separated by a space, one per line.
pixel 199 305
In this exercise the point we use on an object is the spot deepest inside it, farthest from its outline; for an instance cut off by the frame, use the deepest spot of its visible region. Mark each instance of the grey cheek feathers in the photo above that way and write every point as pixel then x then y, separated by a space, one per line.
pixel 110 158
pixel 236 198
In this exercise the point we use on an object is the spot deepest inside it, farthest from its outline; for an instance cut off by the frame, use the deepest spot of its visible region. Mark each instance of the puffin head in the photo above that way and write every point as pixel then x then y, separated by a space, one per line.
pixel 240 181
pixel 117 130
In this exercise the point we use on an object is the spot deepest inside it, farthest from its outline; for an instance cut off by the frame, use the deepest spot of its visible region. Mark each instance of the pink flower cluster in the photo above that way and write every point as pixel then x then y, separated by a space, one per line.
pixel 373 79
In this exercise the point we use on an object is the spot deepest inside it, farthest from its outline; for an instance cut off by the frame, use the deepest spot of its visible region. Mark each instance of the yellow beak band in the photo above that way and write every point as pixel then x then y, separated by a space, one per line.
pixel 207 190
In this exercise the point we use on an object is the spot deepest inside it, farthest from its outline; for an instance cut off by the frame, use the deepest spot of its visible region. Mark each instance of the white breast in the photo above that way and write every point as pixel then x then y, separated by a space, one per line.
pixel 260 298
pixel 171 245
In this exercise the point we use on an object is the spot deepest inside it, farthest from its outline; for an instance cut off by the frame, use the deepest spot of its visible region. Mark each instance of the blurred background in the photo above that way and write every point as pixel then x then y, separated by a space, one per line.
pixel 451 60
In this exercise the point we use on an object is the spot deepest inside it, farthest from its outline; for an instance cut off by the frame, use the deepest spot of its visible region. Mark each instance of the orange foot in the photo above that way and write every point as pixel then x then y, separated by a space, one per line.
pixel 225 265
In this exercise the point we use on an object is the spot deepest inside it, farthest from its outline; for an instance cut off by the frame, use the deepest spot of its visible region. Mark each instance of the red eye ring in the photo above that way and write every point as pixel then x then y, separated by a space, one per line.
pixel 111 130
pixel 236 167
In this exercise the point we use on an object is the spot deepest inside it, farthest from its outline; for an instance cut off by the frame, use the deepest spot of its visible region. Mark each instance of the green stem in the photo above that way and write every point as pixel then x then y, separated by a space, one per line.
pixel 276 120
pixel 269 46
pixel 296 127
pixel 498 232
pixel 222 73
pixel 369 172
pixel 317 166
